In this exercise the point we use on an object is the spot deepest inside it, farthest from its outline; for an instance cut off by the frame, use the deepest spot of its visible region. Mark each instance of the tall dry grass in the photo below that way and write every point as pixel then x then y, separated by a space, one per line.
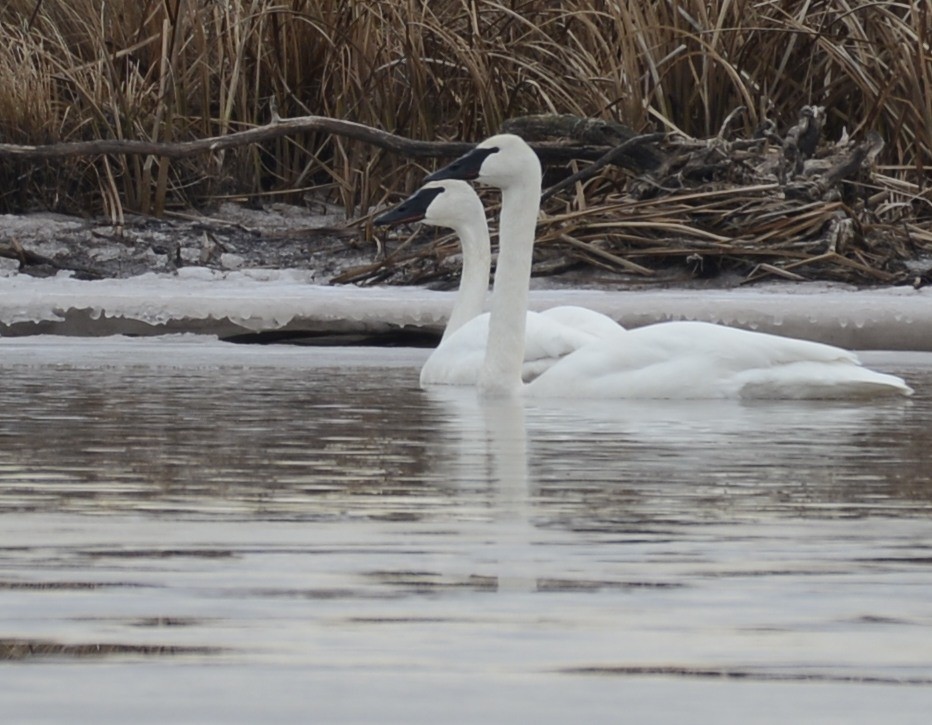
pixel 171 70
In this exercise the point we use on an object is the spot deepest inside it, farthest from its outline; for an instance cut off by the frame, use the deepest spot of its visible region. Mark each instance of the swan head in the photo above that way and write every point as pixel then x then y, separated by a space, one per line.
pixel 503 161
pixel 448 203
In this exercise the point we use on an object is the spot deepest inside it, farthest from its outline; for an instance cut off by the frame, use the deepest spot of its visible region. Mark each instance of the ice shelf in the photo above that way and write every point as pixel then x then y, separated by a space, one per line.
pixel 232 303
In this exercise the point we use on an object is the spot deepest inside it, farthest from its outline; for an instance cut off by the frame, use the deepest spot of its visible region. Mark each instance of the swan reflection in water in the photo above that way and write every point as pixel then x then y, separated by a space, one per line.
pixel 553 468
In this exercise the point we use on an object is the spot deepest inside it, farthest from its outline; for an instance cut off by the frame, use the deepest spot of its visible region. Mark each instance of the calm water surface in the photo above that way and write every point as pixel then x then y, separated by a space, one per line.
pixel 192 531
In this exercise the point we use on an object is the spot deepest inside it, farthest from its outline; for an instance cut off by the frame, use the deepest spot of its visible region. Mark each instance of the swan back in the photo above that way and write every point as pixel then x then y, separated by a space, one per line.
pixel 685 360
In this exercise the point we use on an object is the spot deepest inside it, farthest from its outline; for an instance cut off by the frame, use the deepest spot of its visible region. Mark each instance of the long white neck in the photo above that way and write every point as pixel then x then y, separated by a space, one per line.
pixel 501 370
pixel 474 281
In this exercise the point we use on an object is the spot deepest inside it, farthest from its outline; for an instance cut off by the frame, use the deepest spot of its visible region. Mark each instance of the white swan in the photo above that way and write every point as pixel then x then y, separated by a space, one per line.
pixel 666 360
pixel 550 334
pixel 453 204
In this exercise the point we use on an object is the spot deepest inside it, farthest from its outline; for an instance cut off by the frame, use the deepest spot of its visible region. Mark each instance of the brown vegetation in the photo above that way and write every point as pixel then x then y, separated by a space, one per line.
pixel 170 71
pixel 18 650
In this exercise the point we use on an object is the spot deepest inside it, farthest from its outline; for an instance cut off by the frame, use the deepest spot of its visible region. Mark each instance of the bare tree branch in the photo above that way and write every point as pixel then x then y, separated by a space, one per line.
pixel 282 127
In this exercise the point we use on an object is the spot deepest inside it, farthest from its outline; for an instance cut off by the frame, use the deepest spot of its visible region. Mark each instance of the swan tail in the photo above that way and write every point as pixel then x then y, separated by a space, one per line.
pixel 807 380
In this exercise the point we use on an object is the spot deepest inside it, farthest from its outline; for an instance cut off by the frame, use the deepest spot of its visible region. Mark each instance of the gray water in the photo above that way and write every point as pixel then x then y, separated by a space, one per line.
pixel 202 532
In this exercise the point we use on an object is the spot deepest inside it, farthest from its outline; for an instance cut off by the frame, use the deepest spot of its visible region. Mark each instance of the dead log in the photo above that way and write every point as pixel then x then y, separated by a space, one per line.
pixel 401 145
pixel 276 129
pixel 640 153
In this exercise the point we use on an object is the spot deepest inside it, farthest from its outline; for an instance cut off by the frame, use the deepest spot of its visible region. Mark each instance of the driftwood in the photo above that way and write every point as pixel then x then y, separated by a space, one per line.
pixel 278 127
pixel 628 150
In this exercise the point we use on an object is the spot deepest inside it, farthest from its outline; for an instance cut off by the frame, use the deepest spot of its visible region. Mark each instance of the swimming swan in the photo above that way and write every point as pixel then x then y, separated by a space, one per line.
pixel 459 356
pixel 666 360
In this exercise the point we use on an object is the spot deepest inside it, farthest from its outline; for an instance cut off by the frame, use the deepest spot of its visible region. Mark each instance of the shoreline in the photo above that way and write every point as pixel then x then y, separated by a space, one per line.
pixel 288 305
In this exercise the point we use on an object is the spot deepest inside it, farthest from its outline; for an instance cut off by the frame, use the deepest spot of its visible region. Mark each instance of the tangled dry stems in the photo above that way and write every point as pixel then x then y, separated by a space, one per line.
pixel 166 70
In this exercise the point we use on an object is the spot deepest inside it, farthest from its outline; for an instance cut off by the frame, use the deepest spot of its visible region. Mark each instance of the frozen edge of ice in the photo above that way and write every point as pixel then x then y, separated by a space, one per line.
pixel 203 301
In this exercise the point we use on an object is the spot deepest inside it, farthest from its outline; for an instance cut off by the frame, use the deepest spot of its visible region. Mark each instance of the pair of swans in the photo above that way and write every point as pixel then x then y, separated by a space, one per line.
pixel 457 360
pixel 678 360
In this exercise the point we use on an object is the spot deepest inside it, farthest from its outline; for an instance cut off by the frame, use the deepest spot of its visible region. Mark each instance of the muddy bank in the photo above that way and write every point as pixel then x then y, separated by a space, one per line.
pixel 279 236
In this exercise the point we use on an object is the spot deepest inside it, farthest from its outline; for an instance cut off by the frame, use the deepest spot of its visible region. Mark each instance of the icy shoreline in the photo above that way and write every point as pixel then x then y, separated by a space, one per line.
pixel 226 304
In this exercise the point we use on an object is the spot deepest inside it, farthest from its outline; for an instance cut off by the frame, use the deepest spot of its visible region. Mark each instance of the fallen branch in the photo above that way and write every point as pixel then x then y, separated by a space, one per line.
pixel 553 152
pixel 635 153
pixel 276 129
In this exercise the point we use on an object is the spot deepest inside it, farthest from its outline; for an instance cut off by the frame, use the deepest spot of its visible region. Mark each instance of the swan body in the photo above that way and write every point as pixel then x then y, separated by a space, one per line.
pixel 583 319
pixel 678 360
pixel 684 360
pixel 458 358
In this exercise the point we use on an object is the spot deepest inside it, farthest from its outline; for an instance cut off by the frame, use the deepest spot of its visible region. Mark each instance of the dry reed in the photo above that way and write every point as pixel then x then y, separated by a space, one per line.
pixel 168 70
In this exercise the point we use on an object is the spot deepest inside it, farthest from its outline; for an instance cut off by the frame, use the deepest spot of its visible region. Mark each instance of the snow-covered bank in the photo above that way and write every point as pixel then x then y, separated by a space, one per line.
pixel 204 301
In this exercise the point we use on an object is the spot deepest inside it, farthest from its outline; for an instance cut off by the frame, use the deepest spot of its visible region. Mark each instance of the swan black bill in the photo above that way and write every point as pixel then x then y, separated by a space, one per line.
pixel 466 167
pixel 412 209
